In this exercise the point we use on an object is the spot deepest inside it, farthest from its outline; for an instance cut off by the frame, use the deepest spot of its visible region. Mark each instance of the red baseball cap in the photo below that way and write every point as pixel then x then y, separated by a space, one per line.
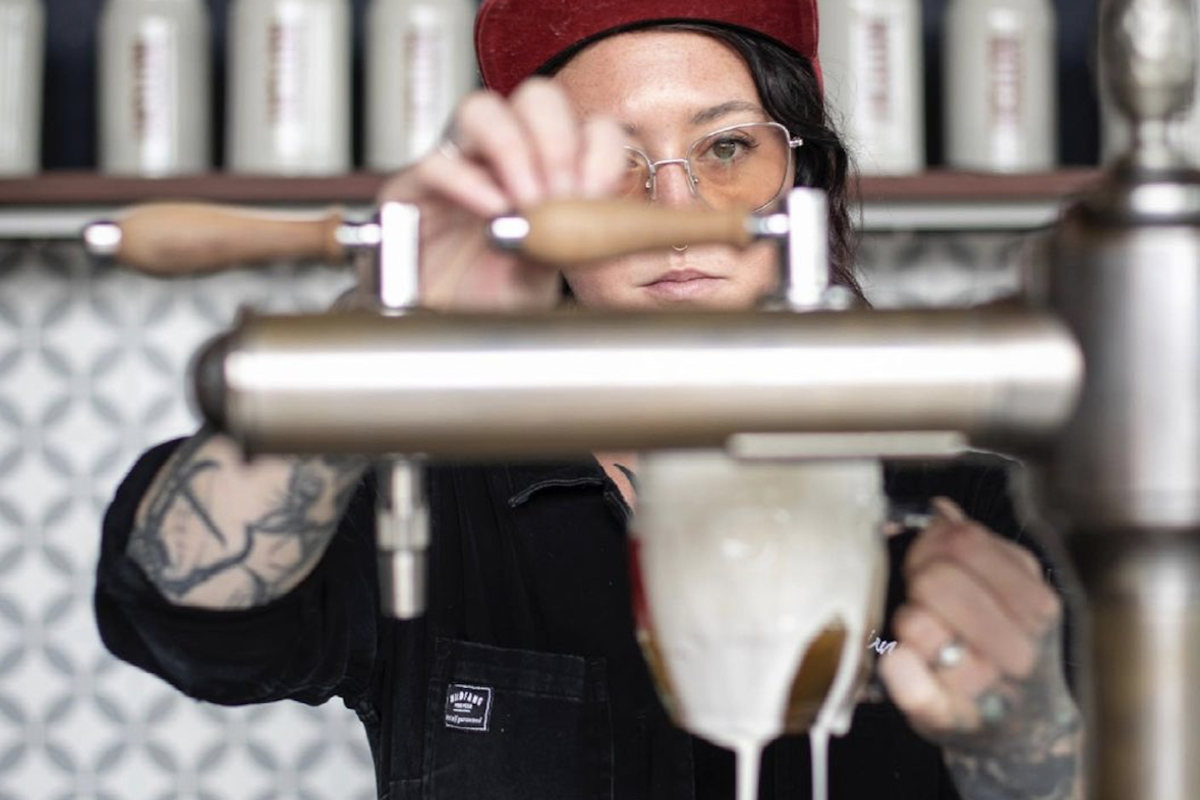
pixel 513 38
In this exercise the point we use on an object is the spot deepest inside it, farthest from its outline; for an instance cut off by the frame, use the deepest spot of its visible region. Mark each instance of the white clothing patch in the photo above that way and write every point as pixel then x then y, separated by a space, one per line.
pixel 468 708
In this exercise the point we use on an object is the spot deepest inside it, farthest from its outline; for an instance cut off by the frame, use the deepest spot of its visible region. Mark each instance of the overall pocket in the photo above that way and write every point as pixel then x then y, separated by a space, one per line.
pixel 516 725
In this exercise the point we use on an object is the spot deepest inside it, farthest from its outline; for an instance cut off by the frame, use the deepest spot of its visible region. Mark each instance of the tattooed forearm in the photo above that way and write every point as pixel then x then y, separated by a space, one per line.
pixel 1034 749
pixel 217 531
pixel 1021 772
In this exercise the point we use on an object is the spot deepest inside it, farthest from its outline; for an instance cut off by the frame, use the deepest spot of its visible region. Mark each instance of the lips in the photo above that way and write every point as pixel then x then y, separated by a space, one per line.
pixel 683 284
pixel 682 276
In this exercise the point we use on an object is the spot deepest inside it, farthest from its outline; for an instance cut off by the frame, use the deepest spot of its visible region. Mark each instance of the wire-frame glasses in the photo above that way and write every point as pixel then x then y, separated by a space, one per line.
pixel 747 166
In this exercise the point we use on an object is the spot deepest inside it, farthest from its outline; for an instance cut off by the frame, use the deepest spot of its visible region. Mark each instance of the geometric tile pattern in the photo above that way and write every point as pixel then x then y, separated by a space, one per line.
pixel 92 363
pixel 910 269
pixel 92 367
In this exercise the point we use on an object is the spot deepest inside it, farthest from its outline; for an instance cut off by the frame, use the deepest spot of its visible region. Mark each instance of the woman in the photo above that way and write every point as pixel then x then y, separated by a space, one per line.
pixel 252 582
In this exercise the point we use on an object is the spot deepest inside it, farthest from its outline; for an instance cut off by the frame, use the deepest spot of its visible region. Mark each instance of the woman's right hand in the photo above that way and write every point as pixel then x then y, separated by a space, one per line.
pixel 502 156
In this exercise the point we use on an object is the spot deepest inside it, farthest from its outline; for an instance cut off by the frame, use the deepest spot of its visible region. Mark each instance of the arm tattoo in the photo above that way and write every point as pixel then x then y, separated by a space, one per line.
pixel 182 546
pixel 1035 750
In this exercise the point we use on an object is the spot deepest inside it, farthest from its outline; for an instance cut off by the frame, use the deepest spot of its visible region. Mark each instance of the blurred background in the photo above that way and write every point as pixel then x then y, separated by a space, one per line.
pixel 70 92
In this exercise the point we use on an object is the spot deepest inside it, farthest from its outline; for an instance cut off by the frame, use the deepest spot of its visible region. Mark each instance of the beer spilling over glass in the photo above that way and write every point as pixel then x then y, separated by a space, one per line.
pixel 755 588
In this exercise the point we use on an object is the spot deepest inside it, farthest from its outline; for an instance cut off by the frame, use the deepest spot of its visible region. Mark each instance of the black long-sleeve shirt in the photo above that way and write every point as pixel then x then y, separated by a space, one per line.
pixel 524 680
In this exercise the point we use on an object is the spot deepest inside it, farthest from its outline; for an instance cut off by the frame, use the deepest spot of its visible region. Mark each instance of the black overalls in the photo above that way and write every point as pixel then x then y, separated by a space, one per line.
pixel 524 682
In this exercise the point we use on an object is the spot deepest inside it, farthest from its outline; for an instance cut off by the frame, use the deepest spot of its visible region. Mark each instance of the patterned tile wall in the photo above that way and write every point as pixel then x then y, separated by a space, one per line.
pixel 91 373
pixel 92 367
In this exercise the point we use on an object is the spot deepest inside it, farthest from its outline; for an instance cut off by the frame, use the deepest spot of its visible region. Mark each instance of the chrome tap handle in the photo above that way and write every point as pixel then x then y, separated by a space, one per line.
pixel 804 260
pixel 387 250
pixel 402 525
pixel 806 279
pixel 402 538
pixel 398 264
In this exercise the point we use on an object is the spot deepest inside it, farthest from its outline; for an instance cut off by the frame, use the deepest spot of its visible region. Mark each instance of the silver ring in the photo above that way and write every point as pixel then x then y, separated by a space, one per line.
pixel 992 707
pixel 679 249
pixel 950 655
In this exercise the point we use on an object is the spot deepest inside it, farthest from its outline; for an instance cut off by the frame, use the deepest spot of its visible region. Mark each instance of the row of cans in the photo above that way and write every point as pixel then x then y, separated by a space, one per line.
pixel 289 84
pixel 999 87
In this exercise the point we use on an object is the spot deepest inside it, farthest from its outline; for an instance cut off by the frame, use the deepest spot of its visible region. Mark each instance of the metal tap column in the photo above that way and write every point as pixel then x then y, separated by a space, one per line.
pixel 1123 481
pixel 402 536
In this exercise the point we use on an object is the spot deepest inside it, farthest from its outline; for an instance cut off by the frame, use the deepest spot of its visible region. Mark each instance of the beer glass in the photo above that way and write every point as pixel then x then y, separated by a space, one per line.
pixel 755 588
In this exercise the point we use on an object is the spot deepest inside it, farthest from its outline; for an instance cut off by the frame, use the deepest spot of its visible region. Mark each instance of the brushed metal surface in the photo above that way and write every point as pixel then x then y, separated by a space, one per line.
pixel 572 382
pixel 1123 477
pixel 1144 605
pixel 402 537
pixel 1130 455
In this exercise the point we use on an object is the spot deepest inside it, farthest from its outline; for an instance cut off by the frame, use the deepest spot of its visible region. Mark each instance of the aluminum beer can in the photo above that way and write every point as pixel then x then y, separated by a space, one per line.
pixel 154 91
pixel 22 51
pixel 289 87
pixel 871 58
pixel 420 64
pixel 1000 85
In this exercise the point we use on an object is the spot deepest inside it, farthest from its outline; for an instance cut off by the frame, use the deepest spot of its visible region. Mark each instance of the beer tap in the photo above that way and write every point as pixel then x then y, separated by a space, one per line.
pixel 175 238
pixel 840 387
pixel 1121 481
pixel 389 255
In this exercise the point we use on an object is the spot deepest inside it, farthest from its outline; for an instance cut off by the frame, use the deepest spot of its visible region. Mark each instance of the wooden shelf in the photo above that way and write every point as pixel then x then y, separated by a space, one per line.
pixel 90 189
pixel 956 186
pixel 947 200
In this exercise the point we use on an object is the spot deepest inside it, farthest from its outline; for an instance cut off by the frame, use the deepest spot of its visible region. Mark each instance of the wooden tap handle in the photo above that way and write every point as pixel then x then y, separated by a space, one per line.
pixel 572 231
pixel 184 238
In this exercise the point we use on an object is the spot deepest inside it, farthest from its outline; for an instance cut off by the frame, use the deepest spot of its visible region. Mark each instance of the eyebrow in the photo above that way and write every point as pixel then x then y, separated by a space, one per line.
pixel 724 109
pixel 713 114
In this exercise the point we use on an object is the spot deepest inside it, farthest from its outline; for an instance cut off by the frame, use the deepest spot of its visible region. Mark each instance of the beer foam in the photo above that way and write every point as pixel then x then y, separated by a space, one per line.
pixel 743 566
pixel 749 764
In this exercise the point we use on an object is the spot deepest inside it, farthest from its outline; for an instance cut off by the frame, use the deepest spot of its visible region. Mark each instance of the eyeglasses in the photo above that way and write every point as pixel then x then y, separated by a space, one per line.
pixel 745 166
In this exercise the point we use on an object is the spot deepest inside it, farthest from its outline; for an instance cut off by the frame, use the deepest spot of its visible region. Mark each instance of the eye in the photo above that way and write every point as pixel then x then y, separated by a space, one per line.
pixel 730 147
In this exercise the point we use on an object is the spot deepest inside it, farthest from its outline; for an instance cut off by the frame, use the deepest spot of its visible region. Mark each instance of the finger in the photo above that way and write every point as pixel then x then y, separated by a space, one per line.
pixel 1028 599
pixel 551 123
pixel 602 161
pixel 947 510
pixel 462 182
pixel 975 616
pixel 927 635
pixel 487 130
pixel 926 703
pixel 994 563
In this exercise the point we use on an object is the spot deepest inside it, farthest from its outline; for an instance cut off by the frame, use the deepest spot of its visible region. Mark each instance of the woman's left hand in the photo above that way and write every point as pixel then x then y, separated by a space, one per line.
pixel 978 665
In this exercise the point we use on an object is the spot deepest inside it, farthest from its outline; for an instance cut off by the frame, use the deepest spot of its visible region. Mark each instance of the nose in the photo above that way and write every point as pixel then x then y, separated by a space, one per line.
pixel 673 183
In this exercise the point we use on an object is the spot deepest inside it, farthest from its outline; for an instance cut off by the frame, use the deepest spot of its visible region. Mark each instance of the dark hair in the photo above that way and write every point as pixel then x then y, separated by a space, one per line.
pixel 791 94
